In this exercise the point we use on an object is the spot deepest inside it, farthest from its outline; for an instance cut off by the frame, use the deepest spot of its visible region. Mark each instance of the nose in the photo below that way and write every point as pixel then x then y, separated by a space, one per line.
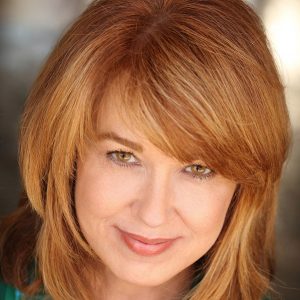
pixel 154 204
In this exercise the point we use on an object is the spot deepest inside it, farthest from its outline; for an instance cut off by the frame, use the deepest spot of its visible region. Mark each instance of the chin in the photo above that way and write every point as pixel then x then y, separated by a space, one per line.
pixel 146 280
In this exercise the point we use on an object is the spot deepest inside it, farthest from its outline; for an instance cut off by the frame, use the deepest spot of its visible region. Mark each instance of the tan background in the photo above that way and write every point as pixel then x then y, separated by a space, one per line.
pixel 28 31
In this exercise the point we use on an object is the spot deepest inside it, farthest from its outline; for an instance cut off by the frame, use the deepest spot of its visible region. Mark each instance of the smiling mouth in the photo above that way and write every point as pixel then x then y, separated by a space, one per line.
pixel 144 246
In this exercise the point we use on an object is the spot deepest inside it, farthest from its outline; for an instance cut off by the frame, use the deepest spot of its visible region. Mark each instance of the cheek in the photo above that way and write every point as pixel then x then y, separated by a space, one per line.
pixel 102 190
pixel 205 206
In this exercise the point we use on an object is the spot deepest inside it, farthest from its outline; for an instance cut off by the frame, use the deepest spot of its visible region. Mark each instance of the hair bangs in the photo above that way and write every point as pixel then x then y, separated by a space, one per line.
pixel 187 120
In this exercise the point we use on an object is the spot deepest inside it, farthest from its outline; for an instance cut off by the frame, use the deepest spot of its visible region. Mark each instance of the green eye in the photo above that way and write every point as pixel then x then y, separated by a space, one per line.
pixel 128 159
pixel 199 171
pixel 122 158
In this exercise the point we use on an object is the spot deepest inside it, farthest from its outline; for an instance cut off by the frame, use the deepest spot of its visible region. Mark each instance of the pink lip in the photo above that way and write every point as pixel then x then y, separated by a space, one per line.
pixel 145 246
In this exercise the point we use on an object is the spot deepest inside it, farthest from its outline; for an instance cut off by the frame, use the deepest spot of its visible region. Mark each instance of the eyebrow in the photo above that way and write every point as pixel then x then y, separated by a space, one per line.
pixel 121 140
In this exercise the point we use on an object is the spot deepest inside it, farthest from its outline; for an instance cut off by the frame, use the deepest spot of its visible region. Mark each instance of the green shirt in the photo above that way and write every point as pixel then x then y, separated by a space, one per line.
pixel 7 292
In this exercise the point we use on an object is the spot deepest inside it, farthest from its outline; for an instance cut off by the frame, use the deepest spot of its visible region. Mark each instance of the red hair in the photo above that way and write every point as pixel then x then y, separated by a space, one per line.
pixel 200 82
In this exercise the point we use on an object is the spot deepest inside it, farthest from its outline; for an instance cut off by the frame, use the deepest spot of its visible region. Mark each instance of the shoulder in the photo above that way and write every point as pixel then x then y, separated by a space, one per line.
pixel 7 292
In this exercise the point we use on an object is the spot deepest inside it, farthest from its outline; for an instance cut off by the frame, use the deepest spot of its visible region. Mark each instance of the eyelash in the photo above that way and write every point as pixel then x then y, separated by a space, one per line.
pixel 110 154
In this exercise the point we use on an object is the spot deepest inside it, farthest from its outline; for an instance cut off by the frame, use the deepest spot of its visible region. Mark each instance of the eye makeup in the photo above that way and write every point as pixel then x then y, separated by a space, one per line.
pixel 127 159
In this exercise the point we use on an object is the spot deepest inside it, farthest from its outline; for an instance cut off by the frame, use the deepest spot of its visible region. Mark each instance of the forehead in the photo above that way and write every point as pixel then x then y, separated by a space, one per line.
pixel 112 119
pixel 117 127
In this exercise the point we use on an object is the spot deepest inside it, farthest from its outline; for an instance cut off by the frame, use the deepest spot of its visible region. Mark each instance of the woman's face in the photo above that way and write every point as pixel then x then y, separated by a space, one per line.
pixel 126 184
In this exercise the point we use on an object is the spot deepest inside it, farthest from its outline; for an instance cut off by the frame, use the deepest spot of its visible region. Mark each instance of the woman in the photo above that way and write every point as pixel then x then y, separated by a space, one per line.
pixel 151 149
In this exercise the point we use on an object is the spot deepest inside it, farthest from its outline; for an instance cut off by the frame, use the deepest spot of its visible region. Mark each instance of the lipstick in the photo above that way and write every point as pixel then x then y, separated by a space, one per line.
pixel 144 246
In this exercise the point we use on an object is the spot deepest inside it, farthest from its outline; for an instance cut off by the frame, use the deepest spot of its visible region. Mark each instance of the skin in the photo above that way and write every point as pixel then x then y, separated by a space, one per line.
pixel 154 196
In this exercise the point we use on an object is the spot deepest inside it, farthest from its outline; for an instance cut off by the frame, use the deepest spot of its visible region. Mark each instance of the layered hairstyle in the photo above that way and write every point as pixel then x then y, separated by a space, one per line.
pixel 198 79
